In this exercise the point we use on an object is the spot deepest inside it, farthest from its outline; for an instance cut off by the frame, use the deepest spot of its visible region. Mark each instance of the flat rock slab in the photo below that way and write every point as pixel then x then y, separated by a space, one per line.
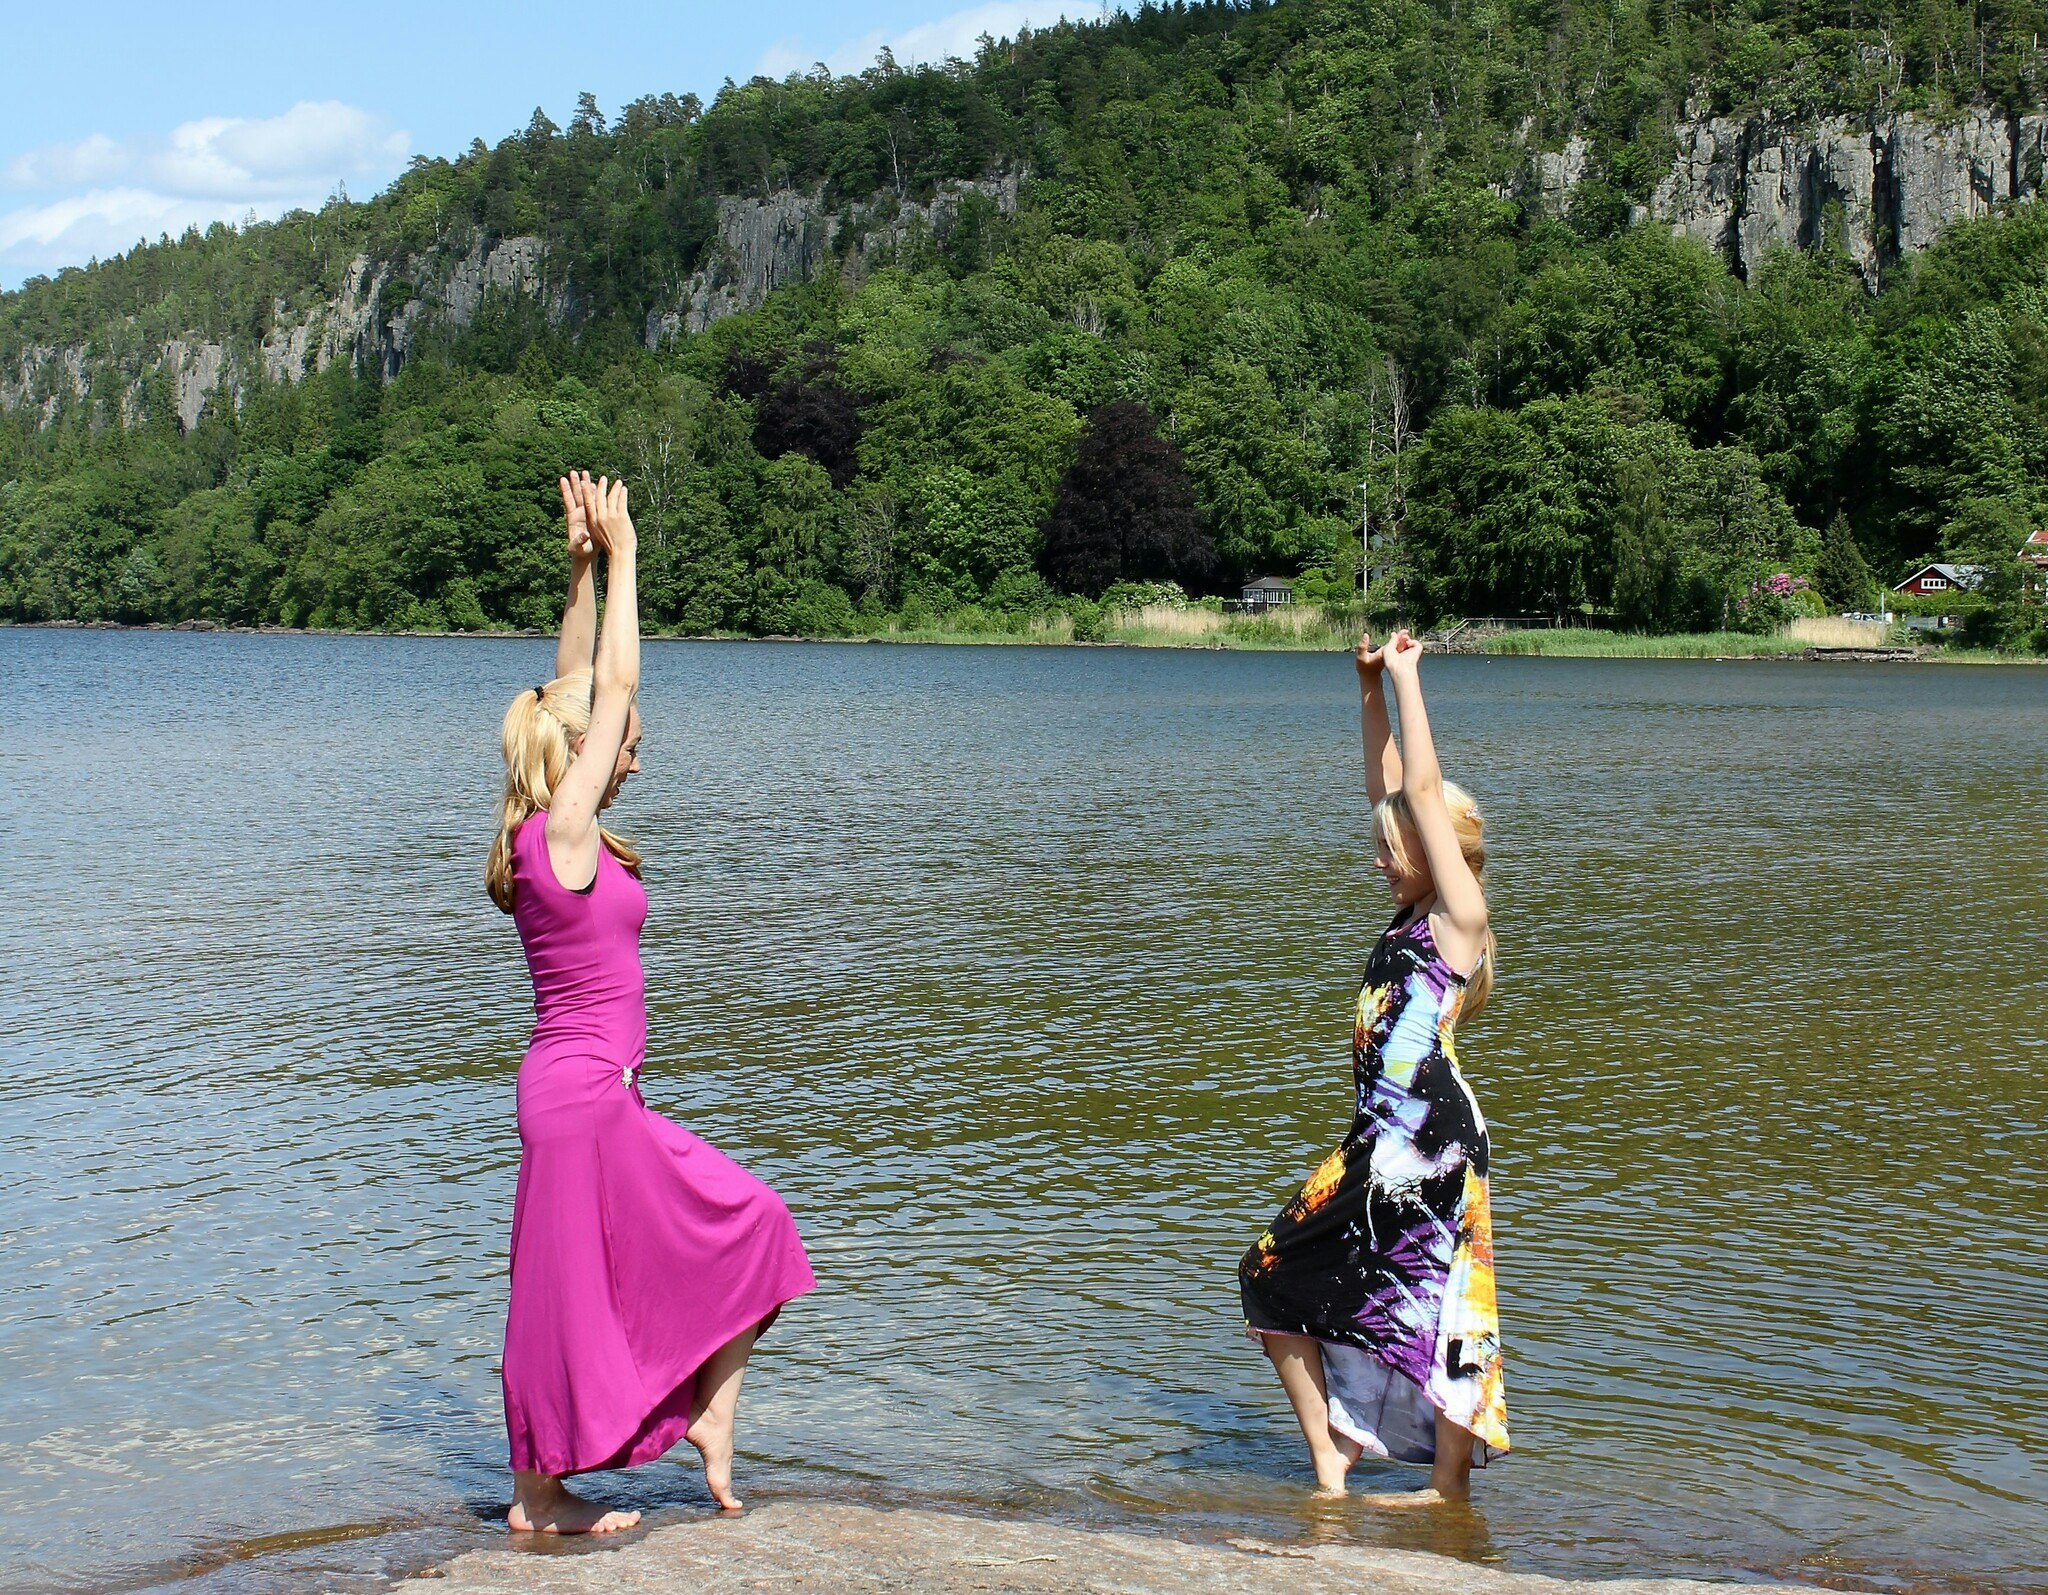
pixel 834 1548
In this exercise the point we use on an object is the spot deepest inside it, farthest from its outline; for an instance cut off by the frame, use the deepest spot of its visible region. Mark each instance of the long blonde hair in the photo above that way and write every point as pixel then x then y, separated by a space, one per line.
pixel 539 731
pixel 1393 823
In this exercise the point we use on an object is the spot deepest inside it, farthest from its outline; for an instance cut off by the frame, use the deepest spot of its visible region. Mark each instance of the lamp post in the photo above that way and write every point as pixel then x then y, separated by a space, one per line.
pixel 1365 542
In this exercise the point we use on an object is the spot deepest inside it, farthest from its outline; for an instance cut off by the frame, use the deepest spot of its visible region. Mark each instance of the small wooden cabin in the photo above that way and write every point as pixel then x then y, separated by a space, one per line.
pixel 1268 592
pixel 1941 581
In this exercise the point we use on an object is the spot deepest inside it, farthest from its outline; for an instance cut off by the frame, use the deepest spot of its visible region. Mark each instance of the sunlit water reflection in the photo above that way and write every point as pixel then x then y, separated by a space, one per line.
pixel 1025 976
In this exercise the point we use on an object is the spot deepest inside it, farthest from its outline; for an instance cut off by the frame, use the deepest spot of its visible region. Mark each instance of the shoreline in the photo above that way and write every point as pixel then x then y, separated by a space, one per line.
pixel 844 1547
pixel 1681 646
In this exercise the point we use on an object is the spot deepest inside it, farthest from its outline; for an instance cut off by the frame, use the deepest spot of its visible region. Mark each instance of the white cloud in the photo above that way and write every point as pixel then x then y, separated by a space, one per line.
pixel 102 222
pixel 129 212
pixel 92 160
pixel 941 39
pixel 100 195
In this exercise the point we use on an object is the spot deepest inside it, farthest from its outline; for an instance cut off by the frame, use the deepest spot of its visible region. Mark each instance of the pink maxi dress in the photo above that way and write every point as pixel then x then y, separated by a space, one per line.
pixel 637 1249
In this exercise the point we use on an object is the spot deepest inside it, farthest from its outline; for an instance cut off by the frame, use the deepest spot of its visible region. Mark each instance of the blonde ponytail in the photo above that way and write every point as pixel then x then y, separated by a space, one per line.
pixel 538 740
pixel 1393 824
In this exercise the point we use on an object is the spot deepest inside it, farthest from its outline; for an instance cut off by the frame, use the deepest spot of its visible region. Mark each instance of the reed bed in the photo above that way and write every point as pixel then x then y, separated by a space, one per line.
pixel 1308 624
pixel 1163 623
pixel 1305 626
pixel 972 624
pixel 1583 642
pixel 1152 626
pixel 1314 627
pixel 1817 631
pixel 1834 631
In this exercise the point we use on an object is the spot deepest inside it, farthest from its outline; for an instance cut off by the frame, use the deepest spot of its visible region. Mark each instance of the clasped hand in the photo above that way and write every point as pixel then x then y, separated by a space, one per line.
pixel 596 515
pixel 1401 653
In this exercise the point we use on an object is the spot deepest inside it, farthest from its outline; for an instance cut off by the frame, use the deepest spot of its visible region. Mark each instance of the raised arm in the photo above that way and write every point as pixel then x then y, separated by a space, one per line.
pixel 572 831
pixel 1422 782
pixel 1382 757
pixel 579 614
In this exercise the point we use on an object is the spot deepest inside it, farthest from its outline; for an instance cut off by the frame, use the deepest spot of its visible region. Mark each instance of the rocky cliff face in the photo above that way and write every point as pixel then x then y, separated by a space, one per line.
pixel 44 376
pixel 373 324
pixel 365 325
pixel 1884 187
pixel 791 236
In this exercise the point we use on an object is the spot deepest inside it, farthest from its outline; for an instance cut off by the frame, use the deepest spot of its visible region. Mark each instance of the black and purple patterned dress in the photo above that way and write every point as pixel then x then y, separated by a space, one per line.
pixel 1386 1254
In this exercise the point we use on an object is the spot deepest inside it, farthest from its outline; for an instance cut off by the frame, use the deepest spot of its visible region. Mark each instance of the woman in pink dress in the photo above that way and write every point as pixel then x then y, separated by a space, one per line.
pixel 644 1262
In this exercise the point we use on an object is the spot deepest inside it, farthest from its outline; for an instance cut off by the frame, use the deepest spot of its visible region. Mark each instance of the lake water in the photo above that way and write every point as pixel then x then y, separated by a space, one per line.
pixel 1026 976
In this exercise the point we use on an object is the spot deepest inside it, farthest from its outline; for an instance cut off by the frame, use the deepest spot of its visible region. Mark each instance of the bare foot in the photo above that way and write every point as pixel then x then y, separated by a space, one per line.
pixel 540 1505
pixel 1331 1465
pixel 711 1434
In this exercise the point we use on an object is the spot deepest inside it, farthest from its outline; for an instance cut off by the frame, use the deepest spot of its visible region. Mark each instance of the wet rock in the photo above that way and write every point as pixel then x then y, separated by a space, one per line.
pixel 847 1548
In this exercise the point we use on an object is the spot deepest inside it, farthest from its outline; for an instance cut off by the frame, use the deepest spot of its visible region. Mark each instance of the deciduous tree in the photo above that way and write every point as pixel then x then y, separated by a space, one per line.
pixel 1125 509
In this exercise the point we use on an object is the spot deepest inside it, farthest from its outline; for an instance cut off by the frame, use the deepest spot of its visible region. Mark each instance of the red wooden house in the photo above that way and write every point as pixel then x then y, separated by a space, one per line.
pixel 2034 567
pixel 1941 581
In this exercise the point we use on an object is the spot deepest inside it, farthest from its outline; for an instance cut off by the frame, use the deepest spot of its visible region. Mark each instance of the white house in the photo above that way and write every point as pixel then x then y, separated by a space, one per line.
pixel 1268 592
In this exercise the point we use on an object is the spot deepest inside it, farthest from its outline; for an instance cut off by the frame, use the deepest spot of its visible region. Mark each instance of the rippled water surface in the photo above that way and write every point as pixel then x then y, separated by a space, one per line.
pixel 1025 975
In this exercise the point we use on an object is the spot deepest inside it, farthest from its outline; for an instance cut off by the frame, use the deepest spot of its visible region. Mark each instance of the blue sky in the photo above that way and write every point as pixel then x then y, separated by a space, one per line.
pixel 135 119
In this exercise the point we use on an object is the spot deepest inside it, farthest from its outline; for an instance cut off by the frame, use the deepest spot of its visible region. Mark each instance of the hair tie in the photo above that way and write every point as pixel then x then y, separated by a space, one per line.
pixel 539 693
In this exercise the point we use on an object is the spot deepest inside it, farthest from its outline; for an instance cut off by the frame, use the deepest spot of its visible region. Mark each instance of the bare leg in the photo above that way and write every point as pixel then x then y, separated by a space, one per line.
pixel 542 1504
pixel 1299 1362
pixel 1450 1476
pixel 715 1403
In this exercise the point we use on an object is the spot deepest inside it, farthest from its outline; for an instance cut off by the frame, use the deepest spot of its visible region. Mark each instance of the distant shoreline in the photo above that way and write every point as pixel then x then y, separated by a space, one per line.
pixel 1557 644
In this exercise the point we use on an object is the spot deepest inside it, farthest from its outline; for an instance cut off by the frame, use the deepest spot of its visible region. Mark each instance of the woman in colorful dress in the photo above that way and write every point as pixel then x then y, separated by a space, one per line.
pixel 1373 1291
pixel 644 1262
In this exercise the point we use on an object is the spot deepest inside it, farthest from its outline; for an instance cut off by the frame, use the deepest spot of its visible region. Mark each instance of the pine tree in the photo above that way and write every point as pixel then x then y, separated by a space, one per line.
pixel 1841 575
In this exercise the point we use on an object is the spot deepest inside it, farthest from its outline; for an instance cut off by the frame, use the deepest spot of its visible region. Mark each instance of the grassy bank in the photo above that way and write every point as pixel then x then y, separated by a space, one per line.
pixel 1581 642
pixel 1312 627
pixel 1790 642
pixel 1302 626
pixel 1163 626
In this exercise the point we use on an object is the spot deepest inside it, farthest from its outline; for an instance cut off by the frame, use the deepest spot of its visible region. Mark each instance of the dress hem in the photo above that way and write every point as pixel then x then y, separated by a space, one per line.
pixel 655 1420
pixel 1484 1450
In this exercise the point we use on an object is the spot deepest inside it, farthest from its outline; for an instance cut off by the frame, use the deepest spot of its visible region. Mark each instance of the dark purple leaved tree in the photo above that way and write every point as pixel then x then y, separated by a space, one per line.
pixel 1125 510
pixel 806 411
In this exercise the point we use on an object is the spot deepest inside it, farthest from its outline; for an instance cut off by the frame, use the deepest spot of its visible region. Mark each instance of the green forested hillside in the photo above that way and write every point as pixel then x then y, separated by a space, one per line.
pixel 1256 249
